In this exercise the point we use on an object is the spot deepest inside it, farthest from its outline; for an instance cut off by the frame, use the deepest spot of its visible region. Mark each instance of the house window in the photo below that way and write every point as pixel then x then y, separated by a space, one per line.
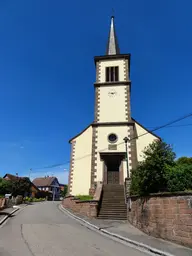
pixel 112 74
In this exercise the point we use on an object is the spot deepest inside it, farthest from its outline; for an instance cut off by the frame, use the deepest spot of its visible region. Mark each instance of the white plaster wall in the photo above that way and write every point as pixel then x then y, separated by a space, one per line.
pixel 112 109
pixel 82 167
pixel 102 145
pixel 143 141
pixel 112 63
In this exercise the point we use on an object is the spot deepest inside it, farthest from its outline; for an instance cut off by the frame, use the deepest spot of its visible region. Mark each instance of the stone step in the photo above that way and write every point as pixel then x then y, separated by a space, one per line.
pixel 121 199
pixel 113 197
pixel 114 202
pixel 113 217
pixel 111 206
pixel 115 206
pixel 113 189
pixel 113 194
pixel 109 213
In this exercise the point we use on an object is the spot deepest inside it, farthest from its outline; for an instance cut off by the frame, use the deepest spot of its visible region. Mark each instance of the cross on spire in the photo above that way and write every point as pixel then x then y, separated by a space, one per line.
pixel 112 44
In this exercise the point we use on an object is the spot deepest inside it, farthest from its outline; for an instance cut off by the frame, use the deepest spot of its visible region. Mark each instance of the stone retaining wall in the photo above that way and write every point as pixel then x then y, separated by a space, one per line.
pixel 168 216
pixel 2 203
pixel 87 208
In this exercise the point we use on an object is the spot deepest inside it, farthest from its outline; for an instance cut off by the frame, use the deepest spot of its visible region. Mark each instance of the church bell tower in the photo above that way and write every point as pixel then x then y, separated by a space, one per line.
pixel 113 85
pixel 112 119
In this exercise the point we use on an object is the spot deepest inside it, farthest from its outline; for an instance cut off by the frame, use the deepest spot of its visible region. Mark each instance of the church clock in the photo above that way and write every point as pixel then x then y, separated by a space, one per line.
pixel 112 93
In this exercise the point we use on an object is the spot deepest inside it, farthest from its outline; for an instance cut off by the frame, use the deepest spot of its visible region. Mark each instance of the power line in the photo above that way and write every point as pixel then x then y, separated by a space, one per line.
pixel 151 131
pixel 173 126
pixel 165 125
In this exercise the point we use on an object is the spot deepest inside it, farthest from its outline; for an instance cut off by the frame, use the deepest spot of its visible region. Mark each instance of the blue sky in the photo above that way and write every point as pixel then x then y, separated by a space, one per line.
pixel 47 74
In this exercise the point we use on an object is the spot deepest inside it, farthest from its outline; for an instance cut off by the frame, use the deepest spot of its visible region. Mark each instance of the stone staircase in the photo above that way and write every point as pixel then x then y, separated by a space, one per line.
pixel 113 203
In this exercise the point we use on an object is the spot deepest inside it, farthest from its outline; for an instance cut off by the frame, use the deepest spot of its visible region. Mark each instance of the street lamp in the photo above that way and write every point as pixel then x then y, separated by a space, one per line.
pixel 127 160
pixel 128 199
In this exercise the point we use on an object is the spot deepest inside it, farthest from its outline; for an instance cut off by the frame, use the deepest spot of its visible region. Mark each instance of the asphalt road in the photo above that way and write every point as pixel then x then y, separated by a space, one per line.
pixel 43 230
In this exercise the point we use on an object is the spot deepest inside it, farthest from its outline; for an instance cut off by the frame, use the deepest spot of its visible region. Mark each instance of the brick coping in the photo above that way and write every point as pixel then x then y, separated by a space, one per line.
pixel 164 194
pixel 73 198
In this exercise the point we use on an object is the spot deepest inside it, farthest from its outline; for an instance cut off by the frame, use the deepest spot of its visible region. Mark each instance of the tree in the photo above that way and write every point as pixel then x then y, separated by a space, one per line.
pixel 64 192
pixel 179 177
pixel 184 160
pixel 20 186
pixel 149 177
pixel 5 186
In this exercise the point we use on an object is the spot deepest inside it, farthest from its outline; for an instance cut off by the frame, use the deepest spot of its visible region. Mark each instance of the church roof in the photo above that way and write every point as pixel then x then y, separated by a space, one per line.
pixel 112 43
pixel 133 121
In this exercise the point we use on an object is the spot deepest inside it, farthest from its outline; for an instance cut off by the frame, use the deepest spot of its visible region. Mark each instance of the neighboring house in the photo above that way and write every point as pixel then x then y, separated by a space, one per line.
pixel 11 177
pixel 98 153
pixel 48 184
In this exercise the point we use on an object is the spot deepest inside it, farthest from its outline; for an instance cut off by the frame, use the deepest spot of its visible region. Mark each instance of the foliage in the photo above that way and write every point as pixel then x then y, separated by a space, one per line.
pixel 64 192
pixel 5 186
pixel 179 177
pixel 20 186
pixel 84 197
pixel 184 160
pixel 149 177
pixel 31 199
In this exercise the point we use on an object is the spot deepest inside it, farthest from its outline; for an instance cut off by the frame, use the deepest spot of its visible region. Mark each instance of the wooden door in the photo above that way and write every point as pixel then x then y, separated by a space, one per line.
pixel 113 177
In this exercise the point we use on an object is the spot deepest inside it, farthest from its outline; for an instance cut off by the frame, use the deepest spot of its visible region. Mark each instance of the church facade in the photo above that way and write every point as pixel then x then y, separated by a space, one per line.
pixel 98 153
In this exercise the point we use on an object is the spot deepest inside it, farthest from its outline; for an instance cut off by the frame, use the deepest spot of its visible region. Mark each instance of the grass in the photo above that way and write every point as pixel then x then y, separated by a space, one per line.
pixel 84 197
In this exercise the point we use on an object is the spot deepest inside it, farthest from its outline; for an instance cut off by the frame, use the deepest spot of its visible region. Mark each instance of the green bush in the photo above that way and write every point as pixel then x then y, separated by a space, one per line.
pixel 84 197
pixel 179 177
pixel 31 199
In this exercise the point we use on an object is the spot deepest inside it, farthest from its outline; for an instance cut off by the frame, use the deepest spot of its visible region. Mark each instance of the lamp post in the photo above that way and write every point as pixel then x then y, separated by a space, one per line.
pixel 127 160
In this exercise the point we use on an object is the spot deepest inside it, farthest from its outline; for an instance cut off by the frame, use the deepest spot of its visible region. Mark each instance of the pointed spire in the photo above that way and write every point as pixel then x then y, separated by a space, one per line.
pixel 112 44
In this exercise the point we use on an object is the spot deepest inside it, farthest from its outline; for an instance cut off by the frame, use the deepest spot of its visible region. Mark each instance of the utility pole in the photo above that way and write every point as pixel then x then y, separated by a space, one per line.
pixel 54 193
pixel 30 170
pixel 54 187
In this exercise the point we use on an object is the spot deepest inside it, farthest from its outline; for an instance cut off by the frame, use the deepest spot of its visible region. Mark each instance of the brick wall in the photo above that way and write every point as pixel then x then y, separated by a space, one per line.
pixel 165 216
pixel 86 208
pixel 2 203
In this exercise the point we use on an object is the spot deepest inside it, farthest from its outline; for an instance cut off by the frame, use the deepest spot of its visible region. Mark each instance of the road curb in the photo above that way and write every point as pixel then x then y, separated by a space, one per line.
pixel 7 216
pixel 129 241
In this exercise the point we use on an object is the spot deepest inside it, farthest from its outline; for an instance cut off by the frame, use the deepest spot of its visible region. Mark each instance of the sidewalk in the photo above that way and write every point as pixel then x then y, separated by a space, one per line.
pixel 127 231
pixel 5 213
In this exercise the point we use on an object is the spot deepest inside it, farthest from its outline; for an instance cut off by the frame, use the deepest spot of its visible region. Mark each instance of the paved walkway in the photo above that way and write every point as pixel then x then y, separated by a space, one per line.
pixel 123 228
pixel 7 212
pixel 43 230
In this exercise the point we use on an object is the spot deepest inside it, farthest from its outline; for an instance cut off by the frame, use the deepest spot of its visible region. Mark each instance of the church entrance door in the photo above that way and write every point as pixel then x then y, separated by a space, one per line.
pixel 113 171
pixel 113 168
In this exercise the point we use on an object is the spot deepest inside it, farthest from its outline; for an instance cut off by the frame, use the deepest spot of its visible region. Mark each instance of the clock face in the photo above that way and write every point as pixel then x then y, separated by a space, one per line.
pixel 112 93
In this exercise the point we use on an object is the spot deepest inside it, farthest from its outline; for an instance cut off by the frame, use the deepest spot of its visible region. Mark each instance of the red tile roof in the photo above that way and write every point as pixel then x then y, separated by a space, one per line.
pixel 43 182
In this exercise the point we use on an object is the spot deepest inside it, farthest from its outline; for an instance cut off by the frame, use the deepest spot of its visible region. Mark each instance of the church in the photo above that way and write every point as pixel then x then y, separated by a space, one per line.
pixel 98 153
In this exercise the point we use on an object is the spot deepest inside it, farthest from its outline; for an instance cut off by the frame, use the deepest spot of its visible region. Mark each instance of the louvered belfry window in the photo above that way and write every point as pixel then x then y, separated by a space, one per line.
pixel 112 74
